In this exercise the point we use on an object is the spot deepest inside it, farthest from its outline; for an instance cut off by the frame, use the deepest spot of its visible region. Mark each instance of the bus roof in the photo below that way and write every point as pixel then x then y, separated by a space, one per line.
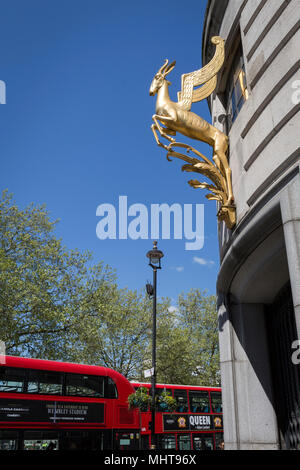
pixel 191 387
pixel 58 366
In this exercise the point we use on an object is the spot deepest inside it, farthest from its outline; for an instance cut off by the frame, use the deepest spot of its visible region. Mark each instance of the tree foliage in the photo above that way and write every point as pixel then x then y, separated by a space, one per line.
pixel 187 340
pixel 116 333
pixel 42 284
pixel 198 313
pixel 54 304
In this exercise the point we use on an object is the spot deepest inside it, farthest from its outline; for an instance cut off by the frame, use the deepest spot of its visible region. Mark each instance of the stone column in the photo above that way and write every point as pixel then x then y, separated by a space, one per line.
pixel 290 212
pixel 249 417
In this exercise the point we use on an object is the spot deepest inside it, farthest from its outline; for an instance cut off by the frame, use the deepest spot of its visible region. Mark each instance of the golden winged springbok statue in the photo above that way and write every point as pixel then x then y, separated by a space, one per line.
pixel 177 117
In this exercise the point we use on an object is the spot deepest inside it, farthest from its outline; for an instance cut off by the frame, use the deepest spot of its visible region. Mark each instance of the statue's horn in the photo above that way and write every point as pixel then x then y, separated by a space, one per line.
pixel 170 68
pixel 161 70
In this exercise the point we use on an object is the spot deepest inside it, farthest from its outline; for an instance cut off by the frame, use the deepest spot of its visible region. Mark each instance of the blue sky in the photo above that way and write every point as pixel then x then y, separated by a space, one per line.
pixel 75 131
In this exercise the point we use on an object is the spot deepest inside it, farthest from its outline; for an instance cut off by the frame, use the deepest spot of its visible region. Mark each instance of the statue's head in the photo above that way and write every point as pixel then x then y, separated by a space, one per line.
pixel 159 77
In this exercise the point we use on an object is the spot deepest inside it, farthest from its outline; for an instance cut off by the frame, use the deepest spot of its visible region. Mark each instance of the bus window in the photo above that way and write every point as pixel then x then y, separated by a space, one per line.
pixel 167 441
pixel 44 382
pixel 126 441
pixel 40 440
pixel 162 407
pixel 203 441
pixel 184 442
pixel 182 402
pixel 219 440
pixel 199 401
pixel 40 444
pixel 84 385
pixel 216 402
pixel 8 440
pixel 12 379
pixel 144 442
pixel 111 391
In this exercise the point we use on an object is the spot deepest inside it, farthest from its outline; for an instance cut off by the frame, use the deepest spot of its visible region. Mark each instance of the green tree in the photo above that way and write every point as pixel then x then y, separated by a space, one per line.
pixel 197 313
pixel 118 330
pixel 187 340
pixel 43 286
pixel 175 357
pixel 55 305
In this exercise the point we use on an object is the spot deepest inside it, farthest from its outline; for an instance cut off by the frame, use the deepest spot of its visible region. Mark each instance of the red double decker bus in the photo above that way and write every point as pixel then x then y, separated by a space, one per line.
pixel 197 423
pixel 55 405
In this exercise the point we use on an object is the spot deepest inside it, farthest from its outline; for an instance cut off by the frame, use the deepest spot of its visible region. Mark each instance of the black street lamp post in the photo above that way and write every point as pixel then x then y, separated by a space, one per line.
pixel 154 256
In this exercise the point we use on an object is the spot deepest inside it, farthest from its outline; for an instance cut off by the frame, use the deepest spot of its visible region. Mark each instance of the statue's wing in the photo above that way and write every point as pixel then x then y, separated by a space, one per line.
pixel 207 77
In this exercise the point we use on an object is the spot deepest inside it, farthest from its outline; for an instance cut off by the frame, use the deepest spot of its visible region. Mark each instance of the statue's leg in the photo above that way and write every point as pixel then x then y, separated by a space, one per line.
pixel 154 129
pixel 170 131
pixel 162 130
pixel 221 161
pixel 218 163
pixel 220 158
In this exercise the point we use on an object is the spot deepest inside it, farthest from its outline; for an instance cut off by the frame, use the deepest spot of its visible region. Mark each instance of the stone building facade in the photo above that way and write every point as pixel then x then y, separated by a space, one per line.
pixel 257 103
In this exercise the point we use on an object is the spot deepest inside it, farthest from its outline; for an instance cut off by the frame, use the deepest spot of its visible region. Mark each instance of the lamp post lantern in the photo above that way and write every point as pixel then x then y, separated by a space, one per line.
pixel 154 256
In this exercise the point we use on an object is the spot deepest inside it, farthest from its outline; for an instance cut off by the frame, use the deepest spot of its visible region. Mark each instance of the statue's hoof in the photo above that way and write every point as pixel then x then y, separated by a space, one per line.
pixel 230 201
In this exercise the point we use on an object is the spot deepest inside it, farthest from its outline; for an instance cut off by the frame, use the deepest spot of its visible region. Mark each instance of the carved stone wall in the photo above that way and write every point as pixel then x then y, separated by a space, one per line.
pixel 262 253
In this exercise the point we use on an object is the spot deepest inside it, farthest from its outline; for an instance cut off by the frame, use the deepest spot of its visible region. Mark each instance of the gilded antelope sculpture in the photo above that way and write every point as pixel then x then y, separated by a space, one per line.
pixel 171 117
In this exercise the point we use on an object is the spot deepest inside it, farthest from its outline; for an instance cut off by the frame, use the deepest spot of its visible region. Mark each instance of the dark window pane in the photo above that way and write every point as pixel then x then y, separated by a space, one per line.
pixel 145 442
pixel 84 385
pixel 112 391
pixel 216 402
pixel 12 379
pixel 233 106
pixel 238 64
pixel 41 440
pixel 8 444
pixel 44 382
pixel 167 441
pixel 182 402
pixel 203 442
pixel 162 407
pixel 199 401
pixel 184 442
pixel 219 441
pixel 236 90
pixel 8 440
pixel 242 78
